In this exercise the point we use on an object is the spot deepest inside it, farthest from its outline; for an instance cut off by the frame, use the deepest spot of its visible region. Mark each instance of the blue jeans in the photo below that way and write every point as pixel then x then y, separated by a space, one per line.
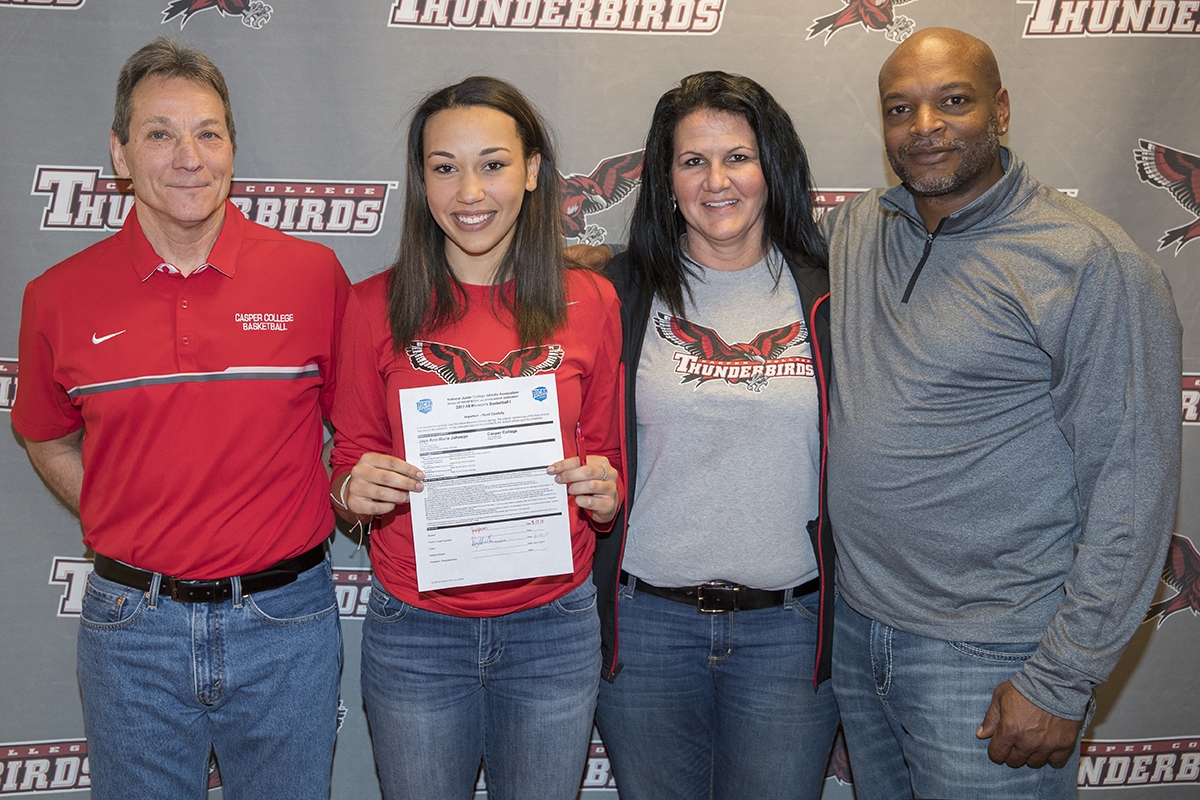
pixel 256 679
pixel 716 705
pixel 910 708
pixel 517 690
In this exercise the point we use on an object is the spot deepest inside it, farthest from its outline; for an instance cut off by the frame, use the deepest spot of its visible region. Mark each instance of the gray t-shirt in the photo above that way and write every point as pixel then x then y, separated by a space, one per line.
pixel 727 436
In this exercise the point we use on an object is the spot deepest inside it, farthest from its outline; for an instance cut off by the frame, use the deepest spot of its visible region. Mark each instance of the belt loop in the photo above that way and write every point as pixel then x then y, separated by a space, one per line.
pixel 235 587
pixel 152 592
pixel 787 598
pixel 630 585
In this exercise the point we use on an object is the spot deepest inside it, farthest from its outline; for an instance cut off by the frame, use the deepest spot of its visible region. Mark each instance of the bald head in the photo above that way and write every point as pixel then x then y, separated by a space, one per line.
pixel 943 45
pixel 944 112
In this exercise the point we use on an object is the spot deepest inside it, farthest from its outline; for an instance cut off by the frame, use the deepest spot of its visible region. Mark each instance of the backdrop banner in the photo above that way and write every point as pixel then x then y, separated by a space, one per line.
pixel 321 93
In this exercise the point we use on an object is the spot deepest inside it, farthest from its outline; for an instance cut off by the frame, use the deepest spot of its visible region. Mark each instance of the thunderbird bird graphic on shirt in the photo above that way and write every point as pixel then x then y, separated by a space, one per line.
pixel 707 357
pixel 457 365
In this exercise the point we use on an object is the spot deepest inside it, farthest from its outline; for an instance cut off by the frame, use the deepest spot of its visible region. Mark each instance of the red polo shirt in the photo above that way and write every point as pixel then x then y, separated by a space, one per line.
pixel 201 397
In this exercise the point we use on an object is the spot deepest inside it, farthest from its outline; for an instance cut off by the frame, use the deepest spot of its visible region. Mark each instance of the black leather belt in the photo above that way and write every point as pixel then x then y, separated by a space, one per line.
pixel 717 597
pixel 215 591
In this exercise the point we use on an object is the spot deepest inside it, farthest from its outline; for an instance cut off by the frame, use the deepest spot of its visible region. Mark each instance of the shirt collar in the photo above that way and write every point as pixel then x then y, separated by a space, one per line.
pixel 998 197
pixel 222 257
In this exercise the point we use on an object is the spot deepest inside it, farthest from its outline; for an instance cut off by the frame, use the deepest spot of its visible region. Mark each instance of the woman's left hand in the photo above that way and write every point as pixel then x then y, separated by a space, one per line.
pixel 593 485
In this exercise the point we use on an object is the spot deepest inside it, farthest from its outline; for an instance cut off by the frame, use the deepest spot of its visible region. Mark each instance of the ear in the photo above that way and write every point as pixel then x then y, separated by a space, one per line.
pixel 1002 110
pixel 118 155
pixel 531 171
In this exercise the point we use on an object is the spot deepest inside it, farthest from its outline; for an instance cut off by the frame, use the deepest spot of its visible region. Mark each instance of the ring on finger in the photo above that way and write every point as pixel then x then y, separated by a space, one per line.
pixel 604 477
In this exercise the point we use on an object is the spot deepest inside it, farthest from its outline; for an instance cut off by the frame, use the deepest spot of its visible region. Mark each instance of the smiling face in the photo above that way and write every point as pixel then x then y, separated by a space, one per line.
pixel 179 155
pixel 476 177
pixel 720 189
pixel 943 115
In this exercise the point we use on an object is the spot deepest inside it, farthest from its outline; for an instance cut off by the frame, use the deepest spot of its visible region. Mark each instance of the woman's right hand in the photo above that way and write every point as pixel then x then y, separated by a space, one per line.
pixel 378 483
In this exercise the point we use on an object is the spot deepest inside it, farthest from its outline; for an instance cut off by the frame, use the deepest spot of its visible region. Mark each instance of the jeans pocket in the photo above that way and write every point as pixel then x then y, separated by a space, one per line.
pixel 1013 653
pixel 579 600
pixel 807 606
pixel 109 606
pixel 382 606
pixel 307 599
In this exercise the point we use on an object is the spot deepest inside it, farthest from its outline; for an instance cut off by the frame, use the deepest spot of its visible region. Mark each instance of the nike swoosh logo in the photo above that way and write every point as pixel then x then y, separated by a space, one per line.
pixel 98 339
pixel 573 302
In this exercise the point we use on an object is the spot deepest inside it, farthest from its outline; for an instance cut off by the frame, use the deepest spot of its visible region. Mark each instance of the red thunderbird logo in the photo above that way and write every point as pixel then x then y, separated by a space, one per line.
pixel 1179 173
pixel 873 15
pixel 254 13
pixel 609 183
pixel 1182 573
pixel 457 365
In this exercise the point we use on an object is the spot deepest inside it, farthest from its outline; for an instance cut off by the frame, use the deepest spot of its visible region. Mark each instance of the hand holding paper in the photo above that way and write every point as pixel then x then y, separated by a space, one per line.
pixel 594 485
pixel 378 483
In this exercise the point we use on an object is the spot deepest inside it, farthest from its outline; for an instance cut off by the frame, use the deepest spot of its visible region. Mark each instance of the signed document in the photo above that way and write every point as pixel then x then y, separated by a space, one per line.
pixel 489 511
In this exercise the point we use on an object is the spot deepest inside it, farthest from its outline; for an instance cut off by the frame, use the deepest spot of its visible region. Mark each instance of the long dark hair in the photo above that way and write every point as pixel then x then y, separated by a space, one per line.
pixel 423 294
pixel 656 226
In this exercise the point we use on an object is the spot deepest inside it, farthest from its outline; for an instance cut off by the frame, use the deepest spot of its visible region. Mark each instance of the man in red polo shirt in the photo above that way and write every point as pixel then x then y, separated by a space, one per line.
pixel 174 378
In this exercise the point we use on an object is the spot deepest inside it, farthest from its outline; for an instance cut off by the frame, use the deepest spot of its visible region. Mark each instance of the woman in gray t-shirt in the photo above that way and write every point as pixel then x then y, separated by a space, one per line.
pixel 723 577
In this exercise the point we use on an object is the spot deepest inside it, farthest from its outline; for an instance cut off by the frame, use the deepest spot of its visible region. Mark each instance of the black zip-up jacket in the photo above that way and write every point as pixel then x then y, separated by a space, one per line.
pixel 813 285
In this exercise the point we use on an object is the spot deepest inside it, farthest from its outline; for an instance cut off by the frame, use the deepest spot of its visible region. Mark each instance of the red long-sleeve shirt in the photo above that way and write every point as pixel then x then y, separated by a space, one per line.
pixel 366 415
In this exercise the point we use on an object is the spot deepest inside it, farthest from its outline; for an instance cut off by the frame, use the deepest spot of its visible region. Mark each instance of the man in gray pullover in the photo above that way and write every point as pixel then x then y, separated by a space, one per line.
pixel 1003 449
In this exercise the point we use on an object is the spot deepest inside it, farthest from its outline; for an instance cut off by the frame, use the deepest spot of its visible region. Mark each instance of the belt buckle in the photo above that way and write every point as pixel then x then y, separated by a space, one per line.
pixel 194 591
pixel 717 597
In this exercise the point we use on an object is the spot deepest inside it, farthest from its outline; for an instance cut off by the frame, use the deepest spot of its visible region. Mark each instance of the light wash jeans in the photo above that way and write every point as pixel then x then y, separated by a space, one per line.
pixel 910 708
pixel 716 705
pixel 517 690
pixel 255 678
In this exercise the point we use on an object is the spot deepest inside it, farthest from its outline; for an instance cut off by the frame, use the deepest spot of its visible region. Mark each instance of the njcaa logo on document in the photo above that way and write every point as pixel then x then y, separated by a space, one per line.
pixel 588 16
pixel 1111 18
pixel 80 198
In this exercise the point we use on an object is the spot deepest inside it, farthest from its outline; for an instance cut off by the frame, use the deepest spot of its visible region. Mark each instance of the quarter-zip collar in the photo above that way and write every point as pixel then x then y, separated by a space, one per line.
pixel 1002 198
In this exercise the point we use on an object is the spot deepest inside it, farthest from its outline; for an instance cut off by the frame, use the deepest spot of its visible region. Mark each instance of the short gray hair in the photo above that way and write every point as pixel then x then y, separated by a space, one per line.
pixel 167 58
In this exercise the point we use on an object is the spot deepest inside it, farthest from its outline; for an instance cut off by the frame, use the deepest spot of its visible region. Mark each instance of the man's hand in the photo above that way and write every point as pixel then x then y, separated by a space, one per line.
pixel 589 256
pixel 1023 734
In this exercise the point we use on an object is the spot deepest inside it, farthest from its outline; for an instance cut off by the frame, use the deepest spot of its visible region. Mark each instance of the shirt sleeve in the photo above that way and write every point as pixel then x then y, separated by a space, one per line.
pixel 359 417
pixel 42 410
pixel 1116 360
pixel 341 292
pixel 599 414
